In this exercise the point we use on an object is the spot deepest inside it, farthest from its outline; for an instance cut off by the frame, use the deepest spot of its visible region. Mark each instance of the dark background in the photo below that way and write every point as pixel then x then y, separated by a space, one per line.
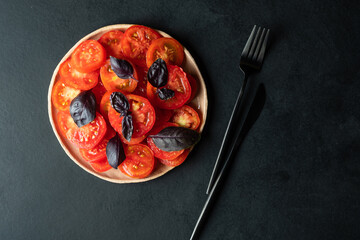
pixel 296 176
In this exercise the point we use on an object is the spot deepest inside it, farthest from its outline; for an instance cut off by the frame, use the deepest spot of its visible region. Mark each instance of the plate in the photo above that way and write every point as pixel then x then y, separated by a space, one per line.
pixel 200 103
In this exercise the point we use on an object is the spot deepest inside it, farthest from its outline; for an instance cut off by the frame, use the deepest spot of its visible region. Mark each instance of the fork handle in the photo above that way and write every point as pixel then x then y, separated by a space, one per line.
pixel 234 118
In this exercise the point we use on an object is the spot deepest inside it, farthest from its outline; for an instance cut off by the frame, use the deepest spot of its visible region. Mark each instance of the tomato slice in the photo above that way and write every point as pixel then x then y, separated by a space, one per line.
pixel 177 82
pixel 136 42
pixel 133 140
pixel 99 92
pixel 89 56
pixel 76 79
pixel 105 105
pixel 177 161
pixel 187 117
pixel 113 83
pixel 139 161
pixel 168 49
pixel 62 95
pixel 101 165
pixel 141 85
pixel 65 122
pixel 143 115
pixel 194 86
pixel 111 41
pixel 162 115
pixel 157 151
pixel 90 135
pixel 99 151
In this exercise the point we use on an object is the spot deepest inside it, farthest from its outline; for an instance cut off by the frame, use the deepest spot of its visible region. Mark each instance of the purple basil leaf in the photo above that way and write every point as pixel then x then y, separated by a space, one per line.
pixel 120 103
pixel 115 152
pixel 158 73
pixel 165 94
pixel 127 127
pixel 83 108
pixel 175 138
pixel 122 68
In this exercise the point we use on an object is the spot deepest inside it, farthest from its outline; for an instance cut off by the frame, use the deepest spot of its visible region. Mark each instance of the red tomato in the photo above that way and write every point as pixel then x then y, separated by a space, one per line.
pixel 168 49
pixel 187 117
pixel 105 105
pixel 136 42
pixel 157 151
pixel 141 85
pixel 99 92
pixel 101 165
pixel 76 79
pixel 62 95
pixel 88 56
pixel 133 140
pixel 90 135
pixel 98 152
pixel 113 83
pixel 139 161
pixel 194 86
pixel 111 41
pixel 162 115
pixel 143 115
pixel 65 122
pixel 177 161
pixel 177 82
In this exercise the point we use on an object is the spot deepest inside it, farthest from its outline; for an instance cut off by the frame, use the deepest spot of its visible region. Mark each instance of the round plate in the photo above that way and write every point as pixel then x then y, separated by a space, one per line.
pixel 200 103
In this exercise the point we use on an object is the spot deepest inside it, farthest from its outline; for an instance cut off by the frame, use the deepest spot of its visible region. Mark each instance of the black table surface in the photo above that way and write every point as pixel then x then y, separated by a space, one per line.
pixel 296 175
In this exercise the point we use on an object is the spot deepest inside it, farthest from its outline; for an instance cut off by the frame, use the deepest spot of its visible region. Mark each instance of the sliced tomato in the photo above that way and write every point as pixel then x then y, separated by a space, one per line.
pixel 187 117
pixel 157 151
pixel 177 161
pixel 65 122
pixel 133 140
pixel 163 115
pixel 90 135
pixel 139 161
pixel 177 82
pixel 89 56
pixel 136 42
pixel 105 105
pixel 194 86
pixel 99 92
pixel 143 116
pixel 76 79
pixel 99 151
pixel 101 165
pixel 62 95
pixel 113 83
pixel 168 49
pixel 111 41
pixel 141 85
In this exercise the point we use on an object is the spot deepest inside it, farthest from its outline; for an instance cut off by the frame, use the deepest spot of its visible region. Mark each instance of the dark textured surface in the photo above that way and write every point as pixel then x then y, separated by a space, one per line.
pixel 296 176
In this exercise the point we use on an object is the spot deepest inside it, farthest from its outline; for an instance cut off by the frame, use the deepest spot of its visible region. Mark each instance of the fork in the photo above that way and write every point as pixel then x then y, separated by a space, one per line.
pixel 251 61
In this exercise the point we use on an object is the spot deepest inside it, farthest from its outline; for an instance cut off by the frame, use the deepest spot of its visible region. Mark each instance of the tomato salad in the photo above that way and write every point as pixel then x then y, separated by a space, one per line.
pixel 123 102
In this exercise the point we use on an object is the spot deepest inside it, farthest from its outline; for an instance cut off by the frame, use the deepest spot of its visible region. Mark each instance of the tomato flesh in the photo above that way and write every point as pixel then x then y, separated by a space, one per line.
pixel 168 49
pixel 141 85
pixel 113 83
pixel 62 95
pixel 99 92
pixel 101 165
pixel 186 117
pixel 89 56
pixel 111 41
pixel 139 161
pixel 177 161
pixel 105 105
pixel 178 83
pixel 136 42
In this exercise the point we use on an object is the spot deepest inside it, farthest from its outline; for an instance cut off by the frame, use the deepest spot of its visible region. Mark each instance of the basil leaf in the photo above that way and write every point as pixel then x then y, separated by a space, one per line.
pixel 158 73
pixel 127 127
pixel 83 108
pixel 120 103
pixel 175 138
pixel 165 94
pixel 115 152
pixel 122 68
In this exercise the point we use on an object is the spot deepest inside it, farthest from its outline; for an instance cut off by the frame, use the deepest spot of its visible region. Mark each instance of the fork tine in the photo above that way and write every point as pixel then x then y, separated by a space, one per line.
pixel 253 46
pixel 259 44
pixel 248 43
pixel 263 47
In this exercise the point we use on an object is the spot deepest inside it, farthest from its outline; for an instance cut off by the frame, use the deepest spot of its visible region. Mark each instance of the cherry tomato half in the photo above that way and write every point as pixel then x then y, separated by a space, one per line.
pixel 105 105
pixel 101 165
pixel 62 95
pixel 177 82
pixel 113 83
pixel 139 161
pixel 157 151
pixel 90 135
pixel 177 161
pixel 187 117
pixel 143 116
pixel 136 42
pixel 168 49
pixel 141 85
pixel 99 92
pixel 89 56
pixel 111 41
